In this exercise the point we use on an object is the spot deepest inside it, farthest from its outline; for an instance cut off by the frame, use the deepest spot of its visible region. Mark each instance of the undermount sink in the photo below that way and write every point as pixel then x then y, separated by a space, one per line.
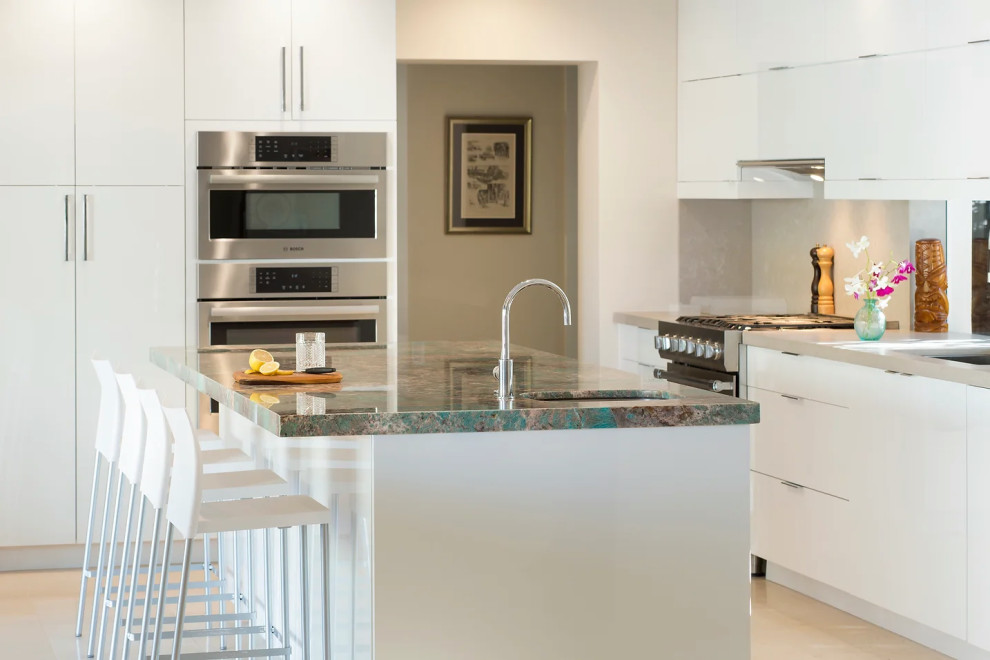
pixel 982 359
pixel 596 395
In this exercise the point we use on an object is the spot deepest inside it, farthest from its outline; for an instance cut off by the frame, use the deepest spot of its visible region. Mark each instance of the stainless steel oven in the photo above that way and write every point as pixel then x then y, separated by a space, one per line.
pixel 262 304
pixel 298 196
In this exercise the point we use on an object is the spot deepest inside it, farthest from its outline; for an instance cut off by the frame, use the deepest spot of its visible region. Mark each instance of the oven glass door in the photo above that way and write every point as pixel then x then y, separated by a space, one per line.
pixel 306 214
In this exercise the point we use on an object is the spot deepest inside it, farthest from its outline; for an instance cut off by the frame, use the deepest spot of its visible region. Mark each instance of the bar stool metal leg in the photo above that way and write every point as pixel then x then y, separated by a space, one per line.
pixel 87 558
pixel 162 589
pixel 112 604
pixel 152 562
pixel 304 575
pixel 268 591
pixel 327 621
pixel 133 589
pixel 283 533
pixel 110 552
pixel 180 611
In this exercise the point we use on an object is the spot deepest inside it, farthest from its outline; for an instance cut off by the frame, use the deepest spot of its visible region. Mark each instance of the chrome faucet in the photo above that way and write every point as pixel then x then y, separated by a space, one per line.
pixel 504 368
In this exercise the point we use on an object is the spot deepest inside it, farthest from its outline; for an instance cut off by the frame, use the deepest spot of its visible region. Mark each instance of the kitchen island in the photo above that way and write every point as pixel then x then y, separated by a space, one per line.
pixel 575 527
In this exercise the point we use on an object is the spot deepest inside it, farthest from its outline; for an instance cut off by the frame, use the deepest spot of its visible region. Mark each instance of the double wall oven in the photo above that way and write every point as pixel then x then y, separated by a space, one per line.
pixel 291 238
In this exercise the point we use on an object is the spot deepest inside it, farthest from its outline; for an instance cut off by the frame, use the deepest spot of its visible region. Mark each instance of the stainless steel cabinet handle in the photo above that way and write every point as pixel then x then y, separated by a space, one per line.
pixel 791 397
pixel 327 311
pixel 701 383
pixel 66 236
pixel 302 81
pixel 283 78
pixel 85 227
pixel 348 179
pixel 792 484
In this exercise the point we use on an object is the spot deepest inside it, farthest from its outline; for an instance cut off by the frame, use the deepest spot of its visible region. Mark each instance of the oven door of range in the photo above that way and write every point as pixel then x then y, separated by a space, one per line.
pixel 297 214
pixel 705 379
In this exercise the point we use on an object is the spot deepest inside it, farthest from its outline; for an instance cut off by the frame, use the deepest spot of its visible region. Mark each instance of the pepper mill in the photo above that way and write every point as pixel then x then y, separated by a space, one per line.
pixel 822 289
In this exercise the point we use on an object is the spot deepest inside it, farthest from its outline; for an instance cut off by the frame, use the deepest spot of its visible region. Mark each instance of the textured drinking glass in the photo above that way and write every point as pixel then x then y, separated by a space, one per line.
pixel 310 350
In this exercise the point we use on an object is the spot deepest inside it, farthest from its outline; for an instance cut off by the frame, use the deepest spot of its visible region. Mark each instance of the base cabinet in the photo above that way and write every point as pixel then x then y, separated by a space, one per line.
pixel 978 516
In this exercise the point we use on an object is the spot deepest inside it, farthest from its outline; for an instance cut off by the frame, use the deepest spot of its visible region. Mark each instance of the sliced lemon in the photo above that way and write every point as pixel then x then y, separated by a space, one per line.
pixel 258 357
pixel 284 372
pixel 250 371
pixel 268 368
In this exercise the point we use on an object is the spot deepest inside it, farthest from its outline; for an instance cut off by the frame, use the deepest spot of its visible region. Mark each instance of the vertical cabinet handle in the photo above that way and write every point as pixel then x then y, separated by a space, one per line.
pixel 302 81
pixel 85 227
pixel 66 234
pixel 283 78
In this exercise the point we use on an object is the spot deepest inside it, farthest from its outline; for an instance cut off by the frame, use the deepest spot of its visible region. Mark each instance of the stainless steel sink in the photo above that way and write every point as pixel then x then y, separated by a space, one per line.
pixel 596 395
pixel 981 359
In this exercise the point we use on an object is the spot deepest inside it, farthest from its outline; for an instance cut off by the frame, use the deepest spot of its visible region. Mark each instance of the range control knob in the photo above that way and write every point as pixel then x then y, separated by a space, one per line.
pixel 681 345
pixel 690 346
pixel 700 348
pixel 716 350
pixel 709 350
pixel 663 342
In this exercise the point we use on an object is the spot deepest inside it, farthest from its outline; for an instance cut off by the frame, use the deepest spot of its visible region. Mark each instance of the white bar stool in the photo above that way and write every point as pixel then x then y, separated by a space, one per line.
pixel 107 441
pixel 190 516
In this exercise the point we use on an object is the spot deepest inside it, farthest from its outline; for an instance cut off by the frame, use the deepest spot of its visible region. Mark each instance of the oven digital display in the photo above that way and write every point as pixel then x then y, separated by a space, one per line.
pixel 295 148
pixel 296 280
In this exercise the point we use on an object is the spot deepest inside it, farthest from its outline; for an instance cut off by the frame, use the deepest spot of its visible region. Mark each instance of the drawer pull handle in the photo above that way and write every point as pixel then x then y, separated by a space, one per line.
pixel 791 397
pixel 789 353
pixel 791 484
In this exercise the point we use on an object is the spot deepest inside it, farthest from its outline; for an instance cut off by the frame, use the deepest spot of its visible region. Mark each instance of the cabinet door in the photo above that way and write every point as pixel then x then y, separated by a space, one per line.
pixel 37 406
pixel 854 28
pixel 978 512
pixel 716 126
pixel 36 90
pixel 238 60
pixel 956 22
pixel 130 291
pixel 774 33
pixel 129 128
pixel 976 62
pixel 790 112
pixel 343 54
pixel 706 39
pixel 911 511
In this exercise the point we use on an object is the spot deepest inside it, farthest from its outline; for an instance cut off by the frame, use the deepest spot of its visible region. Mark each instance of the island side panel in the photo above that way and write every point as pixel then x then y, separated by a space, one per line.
pixel 583 544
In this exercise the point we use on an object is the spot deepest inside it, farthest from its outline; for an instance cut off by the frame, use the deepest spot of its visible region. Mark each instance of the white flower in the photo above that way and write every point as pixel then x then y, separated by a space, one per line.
pixel 855 286
pixel 882 302
pixel 882 282
pixel 858 246
pixel 877 270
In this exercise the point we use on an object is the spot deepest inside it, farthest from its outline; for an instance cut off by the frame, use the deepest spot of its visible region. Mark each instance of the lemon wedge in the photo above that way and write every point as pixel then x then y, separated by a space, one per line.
pixel 284 372
pixel 250 371
pixel 268 368
pixel 259 357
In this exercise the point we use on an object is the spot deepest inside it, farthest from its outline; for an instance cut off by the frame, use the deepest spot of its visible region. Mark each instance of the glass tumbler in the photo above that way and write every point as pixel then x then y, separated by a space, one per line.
pixel 310 350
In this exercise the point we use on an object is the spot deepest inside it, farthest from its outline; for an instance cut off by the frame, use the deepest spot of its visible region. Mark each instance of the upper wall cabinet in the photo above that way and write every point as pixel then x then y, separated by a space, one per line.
pixel 716 127
pixel 779 33
pixel 854 28
pixel 36 85
pixel 95 100
pixel 290 59
pixel 957 22
pixel 706 39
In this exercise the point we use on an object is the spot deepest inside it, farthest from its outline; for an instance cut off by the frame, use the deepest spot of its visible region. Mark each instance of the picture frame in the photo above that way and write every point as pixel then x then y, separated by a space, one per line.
pixel 489 175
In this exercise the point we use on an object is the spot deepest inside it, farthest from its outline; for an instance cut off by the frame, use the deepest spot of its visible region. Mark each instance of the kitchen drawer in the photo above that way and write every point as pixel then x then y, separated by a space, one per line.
pixel 803 441
pixel 646 348
pixel 802 530
pixel 800 375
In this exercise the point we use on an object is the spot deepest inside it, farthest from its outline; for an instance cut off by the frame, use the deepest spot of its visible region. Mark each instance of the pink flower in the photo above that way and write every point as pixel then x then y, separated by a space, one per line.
pixel 897 279
pixel 905 267
pixel 856 296
pixel 886 291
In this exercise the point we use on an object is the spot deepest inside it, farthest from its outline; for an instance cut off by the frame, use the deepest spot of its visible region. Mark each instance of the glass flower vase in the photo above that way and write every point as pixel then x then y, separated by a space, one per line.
pixel 870 322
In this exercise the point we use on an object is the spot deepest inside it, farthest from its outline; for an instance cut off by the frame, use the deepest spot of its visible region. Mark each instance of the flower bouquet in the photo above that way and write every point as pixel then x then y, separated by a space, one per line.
pixel 874 285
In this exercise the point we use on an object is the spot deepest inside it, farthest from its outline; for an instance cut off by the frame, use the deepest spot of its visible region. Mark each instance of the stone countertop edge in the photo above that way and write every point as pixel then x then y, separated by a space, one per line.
pixel 681 410
pixel 821 344
pixel 644 320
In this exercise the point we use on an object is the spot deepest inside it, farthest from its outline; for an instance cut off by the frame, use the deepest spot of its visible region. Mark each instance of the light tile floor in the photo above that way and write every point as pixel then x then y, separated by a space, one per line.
pixel 38 609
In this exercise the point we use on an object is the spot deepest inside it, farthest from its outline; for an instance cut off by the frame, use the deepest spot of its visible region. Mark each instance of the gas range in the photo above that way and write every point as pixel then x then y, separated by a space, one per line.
pixel 704 350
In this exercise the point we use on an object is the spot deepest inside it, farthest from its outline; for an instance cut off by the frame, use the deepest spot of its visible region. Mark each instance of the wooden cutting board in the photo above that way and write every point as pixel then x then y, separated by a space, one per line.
pixel 297 378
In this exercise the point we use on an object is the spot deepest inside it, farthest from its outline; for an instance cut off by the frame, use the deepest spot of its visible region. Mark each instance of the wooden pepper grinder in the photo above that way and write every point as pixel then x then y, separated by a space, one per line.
pixel 822 289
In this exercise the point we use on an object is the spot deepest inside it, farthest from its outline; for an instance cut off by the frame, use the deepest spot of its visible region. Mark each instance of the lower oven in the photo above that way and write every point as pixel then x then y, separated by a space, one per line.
pixel 263 304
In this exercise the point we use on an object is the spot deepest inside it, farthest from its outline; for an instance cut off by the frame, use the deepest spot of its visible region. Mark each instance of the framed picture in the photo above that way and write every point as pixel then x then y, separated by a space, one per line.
pixel 488 175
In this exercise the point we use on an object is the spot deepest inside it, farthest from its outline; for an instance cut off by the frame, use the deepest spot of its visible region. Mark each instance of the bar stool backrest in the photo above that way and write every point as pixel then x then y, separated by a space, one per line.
pixel 131 430
pixel 157 451
pixel 110 417
pixel 185 490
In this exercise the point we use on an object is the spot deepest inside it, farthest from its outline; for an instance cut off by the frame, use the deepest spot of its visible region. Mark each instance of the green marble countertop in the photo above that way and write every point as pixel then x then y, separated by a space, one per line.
pixel 442 387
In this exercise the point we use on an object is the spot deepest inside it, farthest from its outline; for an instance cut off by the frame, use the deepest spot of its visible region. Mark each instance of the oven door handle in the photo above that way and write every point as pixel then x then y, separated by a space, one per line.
pixel 353 179
pixel 702 383
pixel 298 311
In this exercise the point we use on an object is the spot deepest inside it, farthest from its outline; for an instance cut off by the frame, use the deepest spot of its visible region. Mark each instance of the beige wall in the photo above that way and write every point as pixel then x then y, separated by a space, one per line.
pixel 626 51
pixel 456 283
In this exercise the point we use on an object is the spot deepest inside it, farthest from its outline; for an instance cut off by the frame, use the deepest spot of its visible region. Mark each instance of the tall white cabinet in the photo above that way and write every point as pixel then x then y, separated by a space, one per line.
pixel 91 128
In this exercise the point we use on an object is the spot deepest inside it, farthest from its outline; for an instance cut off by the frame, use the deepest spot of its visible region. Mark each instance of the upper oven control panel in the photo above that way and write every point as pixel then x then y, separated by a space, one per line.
pixel 295 148
pixel 310 279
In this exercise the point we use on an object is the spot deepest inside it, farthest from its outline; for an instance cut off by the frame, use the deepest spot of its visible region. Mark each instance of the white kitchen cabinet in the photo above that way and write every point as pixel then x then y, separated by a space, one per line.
pixel 791 113
pixel 978 515
pixel 706 39
pixel 854 28
pixel 637 351
pixel 716 126
pixel 776 33
pixel 128 105
pixel 37 441
pixel 36 92
pixel 130 293
pixel 290 59
pixel 956 22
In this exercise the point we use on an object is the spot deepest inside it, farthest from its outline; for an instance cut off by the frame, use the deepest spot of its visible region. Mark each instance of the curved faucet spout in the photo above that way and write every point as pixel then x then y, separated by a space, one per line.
pixel 505 363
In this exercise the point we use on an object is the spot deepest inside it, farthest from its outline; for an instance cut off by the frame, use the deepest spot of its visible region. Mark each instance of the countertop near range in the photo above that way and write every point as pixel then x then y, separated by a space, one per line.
pixel 442 387
pixel 898 350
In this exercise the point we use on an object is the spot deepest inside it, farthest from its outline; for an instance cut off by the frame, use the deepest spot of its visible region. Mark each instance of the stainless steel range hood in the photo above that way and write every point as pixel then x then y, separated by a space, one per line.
pixel 796 169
